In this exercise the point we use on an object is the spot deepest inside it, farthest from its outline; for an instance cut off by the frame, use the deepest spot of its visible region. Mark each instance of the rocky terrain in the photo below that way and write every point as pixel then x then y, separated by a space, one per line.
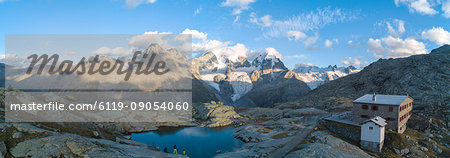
pixel 272 132
pixel 289 133
pixel 23 140
pixel 215 114
pixel 413 143
pixel 69 144
pixel 425 78
pixel 323 144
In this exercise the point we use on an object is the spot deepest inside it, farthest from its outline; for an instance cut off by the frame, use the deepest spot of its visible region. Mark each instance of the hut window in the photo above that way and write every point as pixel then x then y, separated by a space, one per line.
pixel 365 107
pixel 370 128
pixel 374 107
pixel 364 116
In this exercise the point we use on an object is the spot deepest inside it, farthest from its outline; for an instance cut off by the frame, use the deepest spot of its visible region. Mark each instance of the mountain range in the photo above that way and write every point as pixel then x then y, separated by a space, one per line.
pixel 315 76
pixel 261 80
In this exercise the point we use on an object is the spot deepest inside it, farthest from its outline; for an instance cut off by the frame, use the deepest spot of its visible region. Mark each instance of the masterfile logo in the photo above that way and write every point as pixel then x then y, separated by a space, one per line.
pixel 105 67
pixel 98 78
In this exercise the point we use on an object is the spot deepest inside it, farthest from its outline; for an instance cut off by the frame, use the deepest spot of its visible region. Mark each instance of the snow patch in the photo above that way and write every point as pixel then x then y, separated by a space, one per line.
pixel 241 84
pixel 209 79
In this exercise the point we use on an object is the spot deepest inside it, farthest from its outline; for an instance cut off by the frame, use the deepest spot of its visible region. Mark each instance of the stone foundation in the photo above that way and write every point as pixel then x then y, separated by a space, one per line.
pixel 344 130
pixel 372 146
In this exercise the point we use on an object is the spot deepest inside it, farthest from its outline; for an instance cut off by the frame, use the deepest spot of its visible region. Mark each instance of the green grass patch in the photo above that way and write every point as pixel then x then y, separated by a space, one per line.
pixel 281 135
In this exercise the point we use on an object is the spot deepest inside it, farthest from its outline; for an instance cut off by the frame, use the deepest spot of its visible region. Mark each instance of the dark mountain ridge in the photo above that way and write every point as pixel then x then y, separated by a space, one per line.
pixel 426 78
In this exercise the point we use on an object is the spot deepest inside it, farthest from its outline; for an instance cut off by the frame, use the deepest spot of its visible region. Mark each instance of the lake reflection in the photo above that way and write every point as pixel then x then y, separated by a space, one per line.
pixel 198 141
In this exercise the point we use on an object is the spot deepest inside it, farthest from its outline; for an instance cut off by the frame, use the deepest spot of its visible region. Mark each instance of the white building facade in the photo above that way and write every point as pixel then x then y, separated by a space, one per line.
pixel 372 134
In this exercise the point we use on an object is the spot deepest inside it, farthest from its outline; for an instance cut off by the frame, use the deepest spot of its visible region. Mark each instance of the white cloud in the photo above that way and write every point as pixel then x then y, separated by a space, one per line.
pixel 446 9
pixel 237 5
pixel 253 55
pixel 272 52
pixel 336 40
pixel 208 45
pixel 230 51
pixel 310 41
pixel 394 46
pixel 156 33
pixel 118 51
pixel 398 48
pixel 233 52
pixel 296 56
pixel 253 18
pixel 220 49
pixel 295 35
pixel 329 43
pixel 400 28
pixel 374 45
pixel 197 11
pixel 236 19
pixel 438 35
pixel 135 3
pixel 9 56
pixel 144 40
pixel 265 21
pixel 353 61
pixel 353 44
pixel 166 40
pixel 420 6
pixel 300 65
pixel 195 34
pixel 308 21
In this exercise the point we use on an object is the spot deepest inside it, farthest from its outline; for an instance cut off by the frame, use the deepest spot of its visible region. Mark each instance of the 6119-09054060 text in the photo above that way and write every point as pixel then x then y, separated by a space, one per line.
pixel 102 106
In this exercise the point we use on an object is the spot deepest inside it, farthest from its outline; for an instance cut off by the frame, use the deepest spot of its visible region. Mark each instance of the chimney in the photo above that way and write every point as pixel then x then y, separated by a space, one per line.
pixel 374 97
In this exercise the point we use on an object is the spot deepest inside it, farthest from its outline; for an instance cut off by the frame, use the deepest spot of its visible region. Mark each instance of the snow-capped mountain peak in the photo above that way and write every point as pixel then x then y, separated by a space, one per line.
pixel 271 53
pixel 315 76
pixel 235 76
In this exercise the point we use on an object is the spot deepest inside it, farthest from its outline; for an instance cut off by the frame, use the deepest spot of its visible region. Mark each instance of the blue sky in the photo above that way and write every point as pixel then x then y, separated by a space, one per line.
pixel 322 32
